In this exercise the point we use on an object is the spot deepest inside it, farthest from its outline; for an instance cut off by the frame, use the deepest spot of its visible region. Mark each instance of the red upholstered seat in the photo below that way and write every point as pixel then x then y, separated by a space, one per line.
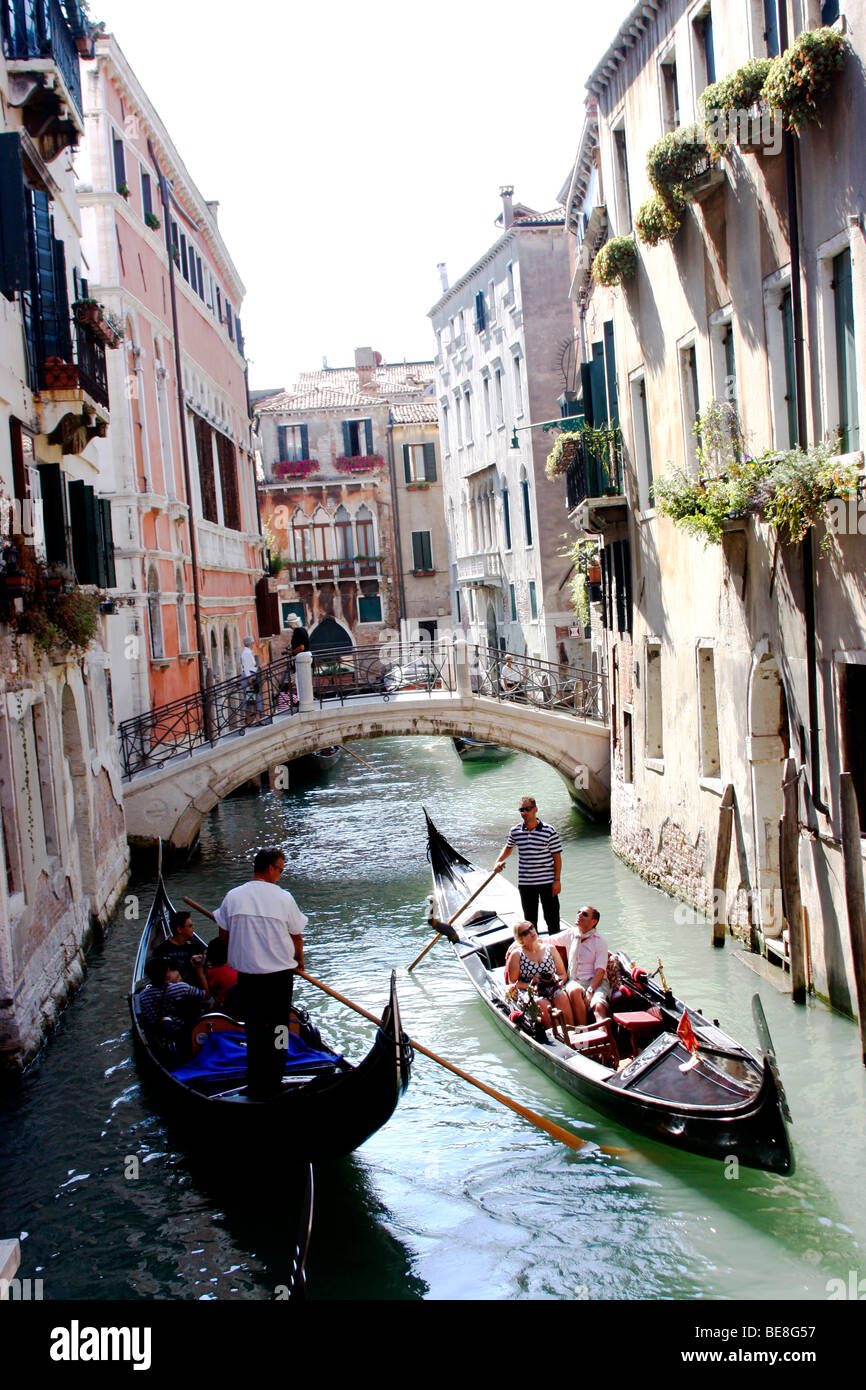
pixel 645 1018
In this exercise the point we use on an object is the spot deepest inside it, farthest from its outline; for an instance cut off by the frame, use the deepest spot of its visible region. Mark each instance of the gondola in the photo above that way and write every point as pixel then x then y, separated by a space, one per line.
pixel 327 1107
pixel 729 1102
pixel 472 750
pixel 327 758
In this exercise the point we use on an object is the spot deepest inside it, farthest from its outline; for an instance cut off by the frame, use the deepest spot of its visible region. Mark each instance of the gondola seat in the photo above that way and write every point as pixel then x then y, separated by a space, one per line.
pixel 639 1028
pixel 596 1040
pixel 212 1023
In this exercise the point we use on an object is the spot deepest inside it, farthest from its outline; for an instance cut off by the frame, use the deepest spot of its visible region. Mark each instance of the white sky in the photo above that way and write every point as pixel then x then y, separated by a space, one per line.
pixel 354 144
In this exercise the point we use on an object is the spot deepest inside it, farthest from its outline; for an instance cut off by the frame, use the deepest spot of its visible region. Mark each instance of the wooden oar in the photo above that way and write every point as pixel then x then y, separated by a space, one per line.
pixel 555 1131
pixel 451 921
pixel 357 759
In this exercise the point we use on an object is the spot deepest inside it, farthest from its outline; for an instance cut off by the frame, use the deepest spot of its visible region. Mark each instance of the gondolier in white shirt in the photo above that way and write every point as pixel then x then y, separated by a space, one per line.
pixel 540 852
pixel 263 927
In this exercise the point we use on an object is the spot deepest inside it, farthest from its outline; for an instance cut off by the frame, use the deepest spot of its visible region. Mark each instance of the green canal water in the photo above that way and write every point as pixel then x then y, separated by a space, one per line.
pixel 456 1198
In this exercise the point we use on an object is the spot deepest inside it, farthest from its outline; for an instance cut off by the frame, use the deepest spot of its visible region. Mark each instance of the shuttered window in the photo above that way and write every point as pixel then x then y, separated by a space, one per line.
pixel 480 312
pixel 293 443
pixel 146 194
pixel 229 482
pixel 119 164
pixel 267 609
pixel 357 438
pixel 419 463
pixel 422 550
pixel 846 362
pixel 204 451
pixel 14 216
pixel 54 513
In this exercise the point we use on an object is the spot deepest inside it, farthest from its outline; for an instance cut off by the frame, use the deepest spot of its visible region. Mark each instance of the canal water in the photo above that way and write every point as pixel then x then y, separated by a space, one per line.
pixel 456 1198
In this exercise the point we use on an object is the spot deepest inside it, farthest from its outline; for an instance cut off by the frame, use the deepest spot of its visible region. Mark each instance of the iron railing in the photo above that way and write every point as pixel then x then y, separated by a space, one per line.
pixel 230 707
pixel 92 367
pixel 594 471
pixel 41 29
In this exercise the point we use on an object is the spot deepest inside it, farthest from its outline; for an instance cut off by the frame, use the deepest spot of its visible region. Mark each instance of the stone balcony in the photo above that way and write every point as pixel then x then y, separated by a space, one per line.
pixel 483 569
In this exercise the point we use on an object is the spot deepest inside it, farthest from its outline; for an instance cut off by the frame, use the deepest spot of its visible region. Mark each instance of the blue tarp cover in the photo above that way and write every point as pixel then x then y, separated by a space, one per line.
pixel 226 1053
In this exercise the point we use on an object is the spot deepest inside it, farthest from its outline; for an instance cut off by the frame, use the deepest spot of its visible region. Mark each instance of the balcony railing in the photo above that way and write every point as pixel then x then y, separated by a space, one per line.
pixel 92 369
pixel 325 571
pixel 595 471
pixel 39 29
pixel 484 568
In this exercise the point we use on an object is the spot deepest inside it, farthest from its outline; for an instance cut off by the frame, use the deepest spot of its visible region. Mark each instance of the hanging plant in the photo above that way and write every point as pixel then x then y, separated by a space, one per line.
pixel 800 79
pixel 726 104
pixel 676 159
pixel 366 463
pixel 55 613
pixel 152 221
pixel 615 262
pixel 656 220
pixel 562 453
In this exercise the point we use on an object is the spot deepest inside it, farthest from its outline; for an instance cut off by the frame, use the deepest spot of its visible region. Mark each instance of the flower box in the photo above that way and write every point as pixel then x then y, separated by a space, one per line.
pixel 367 463
pixel 295 468
pixel 87 311
pixel 696 189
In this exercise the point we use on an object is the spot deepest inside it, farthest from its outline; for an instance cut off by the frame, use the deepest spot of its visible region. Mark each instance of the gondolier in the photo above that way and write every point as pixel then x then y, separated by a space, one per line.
pixel 540 852
pixel 263 927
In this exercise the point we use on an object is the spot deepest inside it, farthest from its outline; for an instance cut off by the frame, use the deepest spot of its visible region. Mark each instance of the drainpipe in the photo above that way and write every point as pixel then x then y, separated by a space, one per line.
pixel 807 550
pixel 395 513
pixel 193 542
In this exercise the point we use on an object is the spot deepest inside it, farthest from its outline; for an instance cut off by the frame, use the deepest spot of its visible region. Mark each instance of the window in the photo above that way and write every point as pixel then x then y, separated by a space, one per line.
pixel 488 421
pixel 708 713
pixel 422 552
pixel 627 748
pixel 467 412
pixel 119 165
pixel 182 638
pixel 704 51
pixel 302 538
pixel 643 448
pixel 146 194
pixel 344 539
pixel 365 533
pixel 419 463
pixel 46 786
pixel 518 387
pixel 670 92
pixel 527 510
pixel 620 168
pixel 513 597
pixel 357 438
pixel 154 611
pixel 509 283
pixel 9 815
pixel 847 411
pixel 287 608
pixel 293 443
pixel 480 312
pixel 852 701
pixel 654 730
pixel 206 470
pixel 491 301
pixel 497 397
pixel 616 586
pixel 459 613
pixel 446 436
pixel 533 601
pixel 369 609
pixel 506 518
pixel 771 28
pixel 690 399
pixel 230 321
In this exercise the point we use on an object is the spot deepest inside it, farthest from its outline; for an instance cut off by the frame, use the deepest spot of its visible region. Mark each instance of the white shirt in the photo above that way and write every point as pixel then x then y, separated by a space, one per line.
pixel 260 919
pixel 249 665
pixel 587 954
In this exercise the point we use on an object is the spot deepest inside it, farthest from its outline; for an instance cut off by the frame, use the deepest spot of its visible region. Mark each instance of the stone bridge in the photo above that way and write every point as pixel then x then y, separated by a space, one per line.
pixel 170 802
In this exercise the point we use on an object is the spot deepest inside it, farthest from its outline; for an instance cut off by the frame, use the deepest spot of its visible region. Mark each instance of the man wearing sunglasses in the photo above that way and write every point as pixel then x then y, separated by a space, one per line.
pixel 540 853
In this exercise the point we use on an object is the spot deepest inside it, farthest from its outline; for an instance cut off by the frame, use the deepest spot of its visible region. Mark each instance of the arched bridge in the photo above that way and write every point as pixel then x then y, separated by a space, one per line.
pixel 182 759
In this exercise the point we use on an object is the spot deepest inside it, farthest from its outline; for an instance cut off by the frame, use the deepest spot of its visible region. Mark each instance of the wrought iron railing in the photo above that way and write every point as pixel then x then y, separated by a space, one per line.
pixel 232 706
pixel 40 29
pixel 594 471
pixel 92 367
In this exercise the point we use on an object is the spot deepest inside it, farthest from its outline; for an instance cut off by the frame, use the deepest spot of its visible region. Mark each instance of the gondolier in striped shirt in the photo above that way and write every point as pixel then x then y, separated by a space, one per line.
pixel 540 852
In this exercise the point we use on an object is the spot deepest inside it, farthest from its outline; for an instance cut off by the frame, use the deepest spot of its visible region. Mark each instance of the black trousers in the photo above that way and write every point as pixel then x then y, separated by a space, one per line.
pixel 266 1004
pixel 531 894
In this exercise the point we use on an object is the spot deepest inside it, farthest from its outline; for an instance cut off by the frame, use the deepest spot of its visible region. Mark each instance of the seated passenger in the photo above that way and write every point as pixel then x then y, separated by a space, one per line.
pixel 180 949
pixel 586 951
pixel 221 979
pixel 535 964
pixel 168 1006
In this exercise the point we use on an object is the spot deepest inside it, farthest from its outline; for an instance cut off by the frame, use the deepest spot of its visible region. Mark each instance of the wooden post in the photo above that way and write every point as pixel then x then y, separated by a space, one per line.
pixel 720 870
pixel 790 857
pixel 851 856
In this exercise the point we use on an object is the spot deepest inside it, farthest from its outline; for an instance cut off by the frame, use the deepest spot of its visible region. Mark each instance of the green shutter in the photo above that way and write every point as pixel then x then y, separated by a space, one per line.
pixel 787 311
pixel 407 465
pixel 305 442
pixel 846 362
pixel 53 513
pixel 347 440
pixel 14 273
pixel 430 463
pixel 107 542
pixel 417 551
pixel 281 442
pixel 368 429
pixel 610 364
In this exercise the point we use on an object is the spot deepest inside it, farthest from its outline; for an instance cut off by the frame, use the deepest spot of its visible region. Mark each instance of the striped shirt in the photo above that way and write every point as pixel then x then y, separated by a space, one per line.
pixel 167 1002
pixel 536 849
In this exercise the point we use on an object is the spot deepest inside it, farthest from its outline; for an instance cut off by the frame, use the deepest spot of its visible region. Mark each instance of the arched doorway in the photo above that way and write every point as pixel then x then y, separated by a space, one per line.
pixel 328 634
pixel 768 748
pixel 492 631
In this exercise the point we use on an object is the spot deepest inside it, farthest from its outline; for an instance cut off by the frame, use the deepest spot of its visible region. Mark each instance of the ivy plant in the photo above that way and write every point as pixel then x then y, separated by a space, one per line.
pixel 615 262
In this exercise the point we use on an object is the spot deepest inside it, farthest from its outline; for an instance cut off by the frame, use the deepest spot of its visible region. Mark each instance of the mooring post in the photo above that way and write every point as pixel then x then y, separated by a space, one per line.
pixel 851 855
pixel 720 871
pixel 790 856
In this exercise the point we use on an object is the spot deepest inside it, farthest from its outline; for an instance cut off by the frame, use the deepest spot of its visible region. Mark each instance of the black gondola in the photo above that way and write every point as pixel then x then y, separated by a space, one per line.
pixel 327 1107
pixel 729 1103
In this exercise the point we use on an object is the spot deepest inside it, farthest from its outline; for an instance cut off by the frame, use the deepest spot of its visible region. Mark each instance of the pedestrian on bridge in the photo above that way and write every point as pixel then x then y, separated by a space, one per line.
pixel 539 850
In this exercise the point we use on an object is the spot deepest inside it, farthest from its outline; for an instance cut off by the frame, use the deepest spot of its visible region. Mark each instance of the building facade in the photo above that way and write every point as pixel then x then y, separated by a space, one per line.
pixel 351 498
pixel 736 669
pixel 179 457
pixel 63 858
pixel 504 345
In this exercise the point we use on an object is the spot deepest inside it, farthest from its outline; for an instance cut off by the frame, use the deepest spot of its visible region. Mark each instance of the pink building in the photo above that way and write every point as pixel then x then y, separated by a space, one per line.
pixel 178 458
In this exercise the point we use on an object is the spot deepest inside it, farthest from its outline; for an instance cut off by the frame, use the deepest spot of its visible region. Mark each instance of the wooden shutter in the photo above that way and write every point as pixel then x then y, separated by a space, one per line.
pixel 107 542
pixel 368 429
pixel 230 322
pixel 267 609
pixel 14 270
pixel 610 365
pixel 146 194
pixel 54 513
pixel 407 465
pixel 430 463
pixel 229 482
pixel 305 442
pixel 347 440
pixel 204 449
pixel 119 163
pixel 417 550
pixel 85 533
pixel 282 446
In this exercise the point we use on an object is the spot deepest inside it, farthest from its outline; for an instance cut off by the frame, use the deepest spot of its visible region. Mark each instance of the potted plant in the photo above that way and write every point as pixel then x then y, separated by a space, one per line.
pixel 152 221
pixel 731 105
pixel 562 453
pixel 678 162
pixel 658 220
pixel 800 79
pixel 87 310
pixel 615 262
pixel 123 189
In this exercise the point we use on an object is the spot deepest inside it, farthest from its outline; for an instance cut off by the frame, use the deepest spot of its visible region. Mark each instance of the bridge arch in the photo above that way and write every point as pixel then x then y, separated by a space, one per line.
pixel 171 802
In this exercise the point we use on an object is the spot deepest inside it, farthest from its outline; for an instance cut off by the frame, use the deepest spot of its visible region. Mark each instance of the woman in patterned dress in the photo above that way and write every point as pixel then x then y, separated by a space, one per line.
pixel 534 963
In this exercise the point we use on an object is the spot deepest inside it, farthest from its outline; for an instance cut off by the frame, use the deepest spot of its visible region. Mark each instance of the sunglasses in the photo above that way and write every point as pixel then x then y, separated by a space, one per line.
pixel 524 810
pixel 528 932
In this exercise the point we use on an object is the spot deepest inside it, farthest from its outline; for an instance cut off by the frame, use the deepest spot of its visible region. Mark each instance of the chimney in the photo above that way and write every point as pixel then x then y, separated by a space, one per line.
pixel 443 275
pixel 365 366
pixel 506 193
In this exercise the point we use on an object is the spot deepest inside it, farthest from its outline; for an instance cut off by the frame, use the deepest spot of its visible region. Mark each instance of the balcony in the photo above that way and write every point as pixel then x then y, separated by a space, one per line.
pixel 594 491
pixel 483 570
pixel 40 43
pixel 220 548
pixel 80 383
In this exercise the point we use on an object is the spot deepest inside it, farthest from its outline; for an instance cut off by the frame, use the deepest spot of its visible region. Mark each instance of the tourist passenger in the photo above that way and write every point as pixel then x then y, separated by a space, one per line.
pixel 535 964
pixel 586 950
pixel 263 928
pixel 540 851
pixel 221 979
pixel 181 950
pixel 168 1006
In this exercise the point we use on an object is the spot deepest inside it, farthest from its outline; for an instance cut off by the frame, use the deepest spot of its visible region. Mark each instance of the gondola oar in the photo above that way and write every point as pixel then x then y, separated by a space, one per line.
pixel 451 920
pixel 357 759
pixel 564 1136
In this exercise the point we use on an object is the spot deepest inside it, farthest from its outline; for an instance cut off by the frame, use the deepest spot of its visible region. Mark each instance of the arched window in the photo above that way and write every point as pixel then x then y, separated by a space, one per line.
pixel 323 535
pixel 302 538
pixel 228 664
pixel 154 611
pixel 365 531
pixel 345 541
pixel 215 656
pixel 182 635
